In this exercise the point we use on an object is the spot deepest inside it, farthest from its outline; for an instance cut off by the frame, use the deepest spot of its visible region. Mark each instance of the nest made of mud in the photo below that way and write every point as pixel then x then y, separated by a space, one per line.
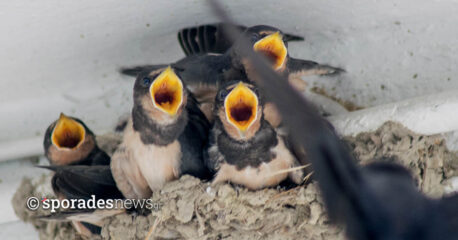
pixel 190 209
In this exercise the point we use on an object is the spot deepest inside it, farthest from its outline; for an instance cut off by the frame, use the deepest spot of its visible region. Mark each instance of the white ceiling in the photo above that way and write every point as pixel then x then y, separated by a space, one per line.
pixel 62 56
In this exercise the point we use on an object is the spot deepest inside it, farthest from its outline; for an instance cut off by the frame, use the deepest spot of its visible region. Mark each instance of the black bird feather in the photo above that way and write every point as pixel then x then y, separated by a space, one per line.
pixel 80 182
pixel 211 38
pixel 378 201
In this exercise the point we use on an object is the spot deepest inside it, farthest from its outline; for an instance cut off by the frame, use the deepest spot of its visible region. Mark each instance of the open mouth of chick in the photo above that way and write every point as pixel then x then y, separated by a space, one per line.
pixel 273 48
pixel 241 106
pixel 167 92
pixel 67 133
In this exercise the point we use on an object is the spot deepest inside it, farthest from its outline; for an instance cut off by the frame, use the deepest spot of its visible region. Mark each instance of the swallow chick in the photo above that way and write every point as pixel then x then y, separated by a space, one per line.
pixel 270 42
pixel 244 148
pixel 375 201
pixel 68 141
pixel 205 73
pixel 211 38
pixel 164 138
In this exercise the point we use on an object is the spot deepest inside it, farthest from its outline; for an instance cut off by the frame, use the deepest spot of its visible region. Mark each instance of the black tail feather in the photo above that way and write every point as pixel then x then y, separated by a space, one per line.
pixel 208 38
pixel 211 38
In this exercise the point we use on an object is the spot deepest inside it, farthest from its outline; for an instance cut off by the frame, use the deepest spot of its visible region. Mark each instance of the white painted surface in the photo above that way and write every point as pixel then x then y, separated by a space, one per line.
pixel 21 148
pixel 61 56
pixel 434 114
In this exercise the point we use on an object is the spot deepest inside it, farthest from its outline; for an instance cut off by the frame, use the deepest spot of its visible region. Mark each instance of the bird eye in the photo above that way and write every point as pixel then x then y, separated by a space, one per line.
pixel 254 37
pixel 222 95
pixel 146 81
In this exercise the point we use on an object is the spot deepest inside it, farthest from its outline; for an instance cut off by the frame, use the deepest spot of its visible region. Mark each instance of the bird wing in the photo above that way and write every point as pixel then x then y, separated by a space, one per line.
pixel 134 71
pixel 211 38
pixel 99 157
pixel 80 182
pixel 208 38
pixel 449 215
pixel 299 68
pixel 344 190
pixel 193 140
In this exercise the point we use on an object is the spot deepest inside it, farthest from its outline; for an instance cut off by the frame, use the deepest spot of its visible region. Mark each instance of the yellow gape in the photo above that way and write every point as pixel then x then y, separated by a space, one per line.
pixel 67 133
pixel 241 106
pixel 273 47
pixel 167 92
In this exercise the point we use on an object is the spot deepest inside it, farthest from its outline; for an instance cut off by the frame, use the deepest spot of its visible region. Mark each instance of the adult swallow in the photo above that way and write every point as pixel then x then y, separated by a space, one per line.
pixel 164 138
pixel 376 201
pixel 204 73
pixel 68 141
pixel 211 38
pixel 243 147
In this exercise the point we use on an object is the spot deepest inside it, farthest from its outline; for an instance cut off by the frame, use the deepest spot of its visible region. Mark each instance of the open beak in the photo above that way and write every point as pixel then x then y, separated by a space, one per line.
pixel 67 133
pixel 273 47
pixel 167 92
pixel 241 106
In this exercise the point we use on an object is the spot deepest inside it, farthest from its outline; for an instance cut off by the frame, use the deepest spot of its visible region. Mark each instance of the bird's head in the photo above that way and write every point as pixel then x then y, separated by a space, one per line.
pixel 239 108
pixel 161 94
pixel 268 41
pixel 68 133
pixel 67 140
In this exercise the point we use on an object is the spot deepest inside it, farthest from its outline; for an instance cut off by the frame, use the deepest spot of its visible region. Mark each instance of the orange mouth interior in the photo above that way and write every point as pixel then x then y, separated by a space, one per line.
pixel 241 106
pixel 67 133
pixel 273 47
pixel 167 92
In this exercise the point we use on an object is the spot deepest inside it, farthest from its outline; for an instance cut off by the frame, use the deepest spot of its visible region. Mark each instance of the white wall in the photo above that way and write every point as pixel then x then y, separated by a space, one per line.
pixel 62 55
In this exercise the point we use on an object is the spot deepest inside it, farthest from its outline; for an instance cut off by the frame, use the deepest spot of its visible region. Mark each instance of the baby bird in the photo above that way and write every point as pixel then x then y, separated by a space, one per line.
pixel 203 74
pixel 243 147
pixel 68 141
pixel 164 138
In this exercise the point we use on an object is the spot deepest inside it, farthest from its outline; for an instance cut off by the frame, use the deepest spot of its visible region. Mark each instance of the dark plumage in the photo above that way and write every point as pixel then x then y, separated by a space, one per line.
pixel 210 38
pixel 205 73
pixel 247 153
pixel 378 201
pixel 81 182
pixel 85 153
pixel 164 138
pixel 72 151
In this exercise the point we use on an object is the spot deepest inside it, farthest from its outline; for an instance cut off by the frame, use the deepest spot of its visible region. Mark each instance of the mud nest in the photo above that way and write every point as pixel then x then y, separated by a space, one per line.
pixel 191 209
